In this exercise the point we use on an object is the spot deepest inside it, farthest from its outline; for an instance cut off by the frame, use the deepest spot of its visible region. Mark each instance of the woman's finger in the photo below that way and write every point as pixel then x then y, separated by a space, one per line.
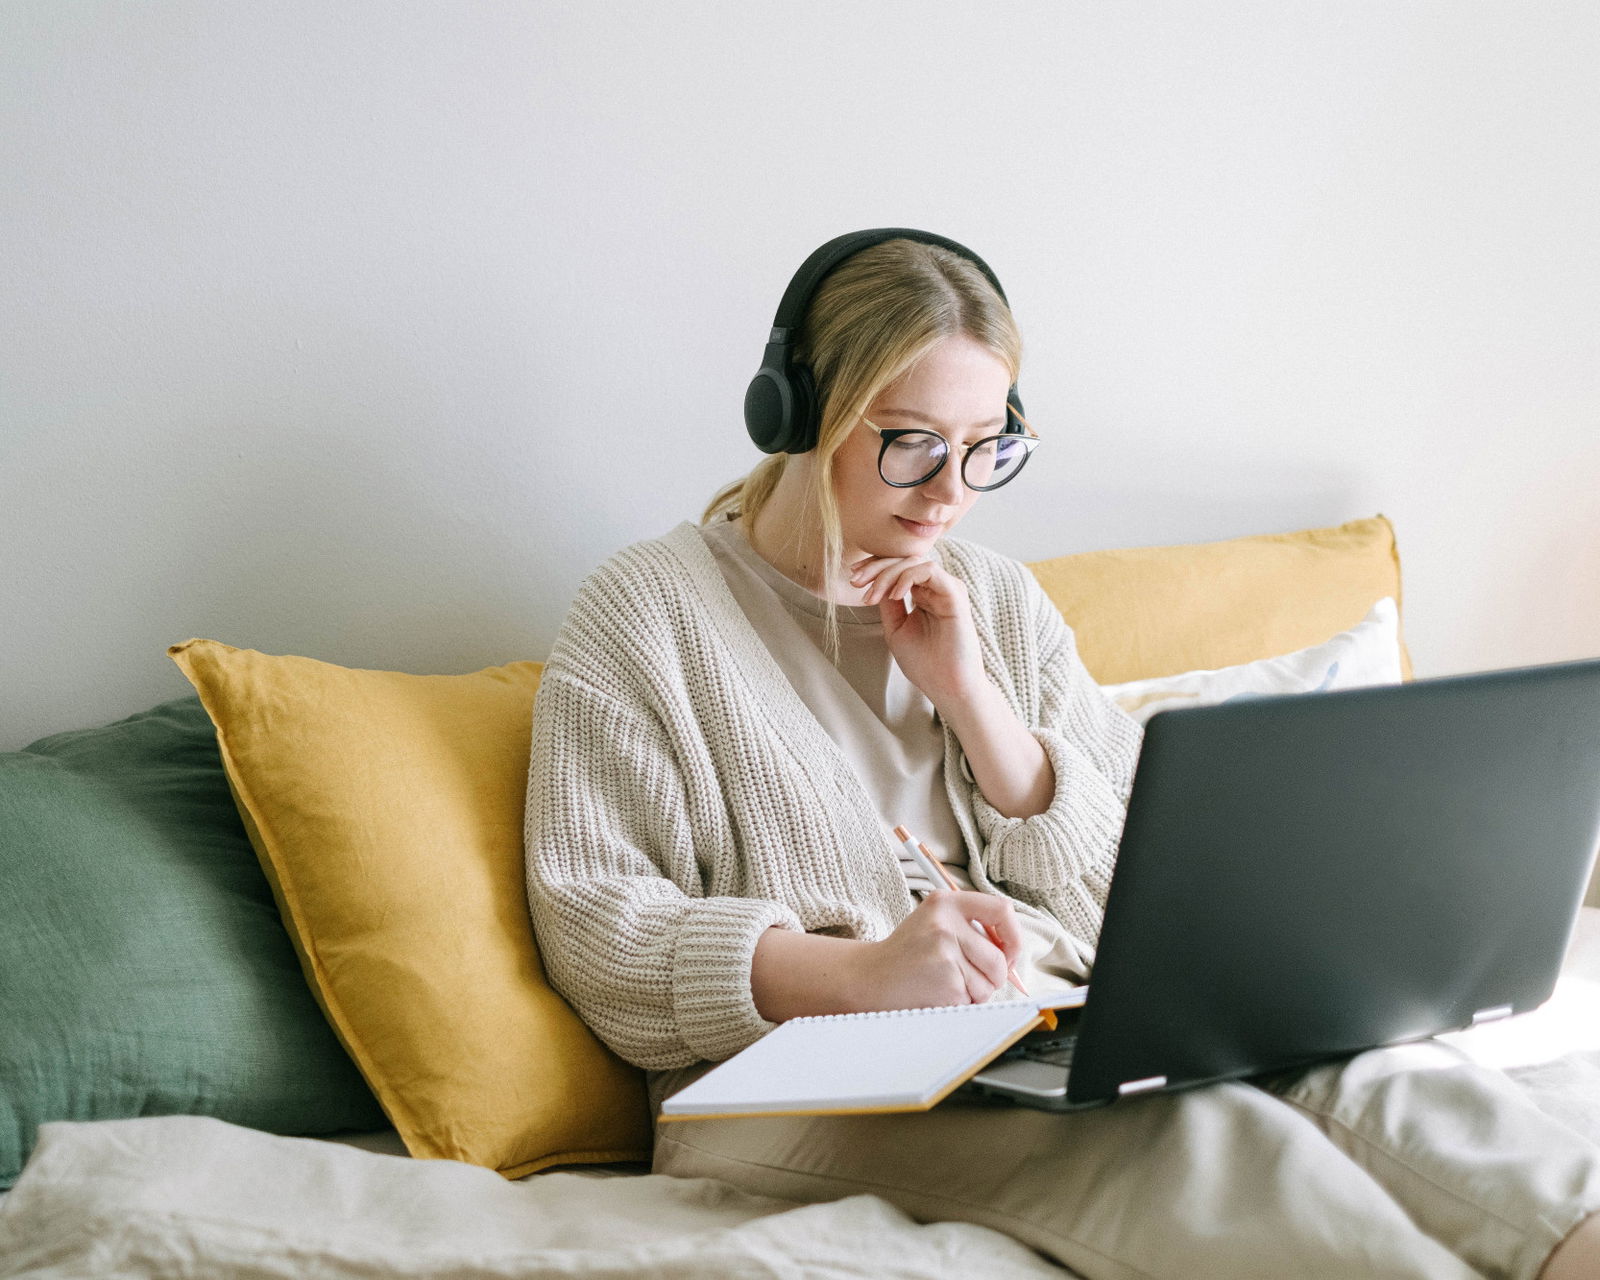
pixel 985 967
pixel 928 584
pixel 873 570
pixel 878 585
pixel 867 568
pixel 934 593
pixel 995 911
pixel 894 613
pixel 895 583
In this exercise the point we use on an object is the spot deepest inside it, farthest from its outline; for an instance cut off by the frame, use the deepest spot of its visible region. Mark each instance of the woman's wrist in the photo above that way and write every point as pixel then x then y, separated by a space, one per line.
pixel 1012 769
pixel 794 974
pixel 964 697
pixel 976 701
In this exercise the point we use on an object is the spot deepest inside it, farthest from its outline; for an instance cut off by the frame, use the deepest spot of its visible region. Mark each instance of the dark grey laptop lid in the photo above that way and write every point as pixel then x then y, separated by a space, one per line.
pixel 1309 875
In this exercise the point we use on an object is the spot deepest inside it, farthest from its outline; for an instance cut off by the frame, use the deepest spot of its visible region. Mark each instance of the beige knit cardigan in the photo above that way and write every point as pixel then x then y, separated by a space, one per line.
pixel 682 799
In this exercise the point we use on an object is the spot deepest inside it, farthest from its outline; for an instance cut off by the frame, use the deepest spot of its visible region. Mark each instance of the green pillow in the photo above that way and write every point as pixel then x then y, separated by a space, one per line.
pixel 143 966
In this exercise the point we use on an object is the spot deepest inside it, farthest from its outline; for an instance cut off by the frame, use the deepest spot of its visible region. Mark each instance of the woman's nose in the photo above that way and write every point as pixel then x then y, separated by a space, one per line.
pixel 947 486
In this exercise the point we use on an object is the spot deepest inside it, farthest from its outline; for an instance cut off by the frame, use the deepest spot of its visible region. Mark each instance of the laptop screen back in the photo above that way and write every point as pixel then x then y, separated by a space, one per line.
pixel 1309 875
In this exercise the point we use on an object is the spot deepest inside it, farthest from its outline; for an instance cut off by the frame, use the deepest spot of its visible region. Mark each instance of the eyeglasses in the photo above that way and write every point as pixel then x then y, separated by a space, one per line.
pixel 914 455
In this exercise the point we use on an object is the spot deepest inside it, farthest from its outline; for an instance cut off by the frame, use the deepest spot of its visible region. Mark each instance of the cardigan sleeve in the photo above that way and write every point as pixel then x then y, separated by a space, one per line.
pixel 1062 859
pixel 659 971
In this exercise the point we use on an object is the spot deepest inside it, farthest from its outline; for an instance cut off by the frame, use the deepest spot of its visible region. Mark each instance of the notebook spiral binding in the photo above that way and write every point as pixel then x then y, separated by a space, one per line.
pixel 904 1013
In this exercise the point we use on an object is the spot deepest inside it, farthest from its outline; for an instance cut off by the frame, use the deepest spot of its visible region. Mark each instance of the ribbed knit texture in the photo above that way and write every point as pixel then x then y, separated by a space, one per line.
pixel 682 799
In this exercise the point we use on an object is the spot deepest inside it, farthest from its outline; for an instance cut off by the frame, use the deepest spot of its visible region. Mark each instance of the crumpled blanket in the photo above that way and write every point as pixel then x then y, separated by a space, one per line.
pixel 188 1196
pixel 191 1196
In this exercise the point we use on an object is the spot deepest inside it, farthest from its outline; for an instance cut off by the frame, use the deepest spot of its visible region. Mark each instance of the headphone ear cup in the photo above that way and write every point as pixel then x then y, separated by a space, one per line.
pixel 768 409
pixel 780 409
pixel 805 414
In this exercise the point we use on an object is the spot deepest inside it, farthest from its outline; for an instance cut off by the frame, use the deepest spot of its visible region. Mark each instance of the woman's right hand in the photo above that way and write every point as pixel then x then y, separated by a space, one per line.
pixel 936 957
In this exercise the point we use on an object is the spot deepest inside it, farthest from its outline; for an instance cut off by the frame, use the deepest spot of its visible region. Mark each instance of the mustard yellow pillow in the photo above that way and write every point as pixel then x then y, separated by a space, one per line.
pixel 1143 612
pixel 387 811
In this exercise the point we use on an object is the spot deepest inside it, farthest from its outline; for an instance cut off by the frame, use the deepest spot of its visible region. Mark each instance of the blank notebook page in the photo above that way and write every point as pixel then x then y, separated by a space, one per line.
pixel 898 1060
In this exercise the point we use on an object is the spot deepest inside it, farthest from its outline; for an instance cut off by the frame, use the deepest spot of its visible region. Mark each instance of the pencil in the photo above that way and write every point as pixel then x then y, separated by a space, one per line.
pixel 935 871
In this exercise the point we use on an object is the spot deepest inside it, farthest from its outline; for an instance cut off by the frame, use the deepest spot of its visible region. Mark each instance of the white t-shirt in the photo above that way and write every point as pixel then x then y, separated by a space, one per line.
pixel 885 726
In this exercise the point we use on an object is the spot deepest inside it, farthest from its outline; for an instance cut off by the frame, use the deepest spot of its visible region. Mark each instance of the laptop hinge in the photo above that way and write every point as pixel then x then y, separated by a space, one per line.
pixel 1141 1086
pixel 1492 1013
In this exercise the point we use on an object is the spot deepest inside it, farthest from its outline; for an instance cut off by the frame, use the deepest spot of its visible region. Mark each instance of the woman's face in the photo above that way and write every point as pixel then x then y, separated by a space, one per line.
pixel 959 390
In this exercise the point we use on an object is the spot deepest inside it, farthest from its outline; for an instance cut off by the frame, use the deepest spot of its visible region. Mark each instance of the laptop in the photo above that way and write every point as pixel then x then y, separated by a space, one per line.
pixel 1305 876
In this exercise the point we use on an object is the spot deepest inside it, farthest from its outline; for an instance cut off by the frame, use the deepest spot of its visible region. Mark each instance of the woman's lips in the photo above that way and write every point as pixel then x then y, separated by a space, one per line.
pixel 921 530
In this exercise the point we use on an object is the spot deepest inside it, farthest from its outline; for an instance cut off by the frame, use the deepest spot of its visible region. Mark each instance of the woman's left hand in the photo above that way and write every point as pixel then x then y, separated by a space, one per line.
pixel 934 643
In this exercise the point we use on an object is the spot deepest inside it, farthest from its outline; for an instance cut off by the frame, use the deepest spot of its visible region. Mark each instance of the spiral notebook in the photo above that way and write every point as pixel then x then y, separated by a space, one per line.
pixel 848 1063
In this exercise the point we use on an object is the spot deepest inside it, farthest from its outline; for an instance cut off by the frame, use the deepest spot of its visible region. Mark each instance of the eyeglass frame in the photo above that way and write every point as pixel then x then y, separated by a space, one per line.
pixel 887 436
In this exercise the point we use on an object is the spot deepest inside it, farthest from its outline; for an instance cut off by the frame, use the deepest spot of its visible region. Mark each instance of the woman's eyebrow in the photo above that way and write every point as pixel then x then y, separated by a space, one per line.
pixel 934 422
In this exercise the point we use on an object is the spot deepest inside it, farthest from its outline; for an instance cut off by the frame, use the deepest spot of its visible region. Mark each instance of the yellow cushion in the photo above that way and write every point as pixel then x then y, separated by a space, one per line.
pixel 1158 611
pixel 387 812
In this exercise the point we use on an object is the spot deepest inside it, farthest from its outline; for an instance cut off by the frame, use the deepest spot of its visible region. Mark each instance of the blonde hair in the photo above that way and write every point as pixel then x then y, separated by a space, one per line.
pixel 871 319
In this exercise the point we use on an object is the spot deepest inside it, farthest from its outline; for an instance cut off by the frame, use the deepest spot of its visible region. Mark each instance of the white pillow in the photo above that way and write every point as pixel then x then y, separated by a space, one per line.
pixel 1368 653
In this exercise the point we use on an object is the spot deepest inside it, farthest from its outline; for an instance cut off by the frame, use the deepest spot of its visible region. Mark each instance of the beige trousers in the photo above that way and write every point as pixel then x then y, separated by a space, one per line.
pixel 1406 1161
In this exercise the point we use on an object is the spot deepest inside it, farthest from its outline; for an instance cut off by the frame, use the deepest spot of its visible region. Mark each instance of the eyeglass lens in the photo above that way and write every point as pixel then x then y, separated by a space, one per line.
pixel 912 457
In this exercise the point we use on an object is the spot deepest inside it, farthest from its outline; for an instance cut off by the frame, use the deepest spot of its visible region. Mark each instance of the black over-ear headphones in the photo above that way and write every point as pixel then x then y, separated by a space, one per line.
pixel 781 410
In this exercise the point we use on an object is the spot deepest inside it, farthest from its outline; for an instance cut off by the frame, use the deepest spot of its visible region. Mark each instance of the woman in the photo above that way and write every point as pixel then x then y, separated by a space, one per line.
pixel 736 715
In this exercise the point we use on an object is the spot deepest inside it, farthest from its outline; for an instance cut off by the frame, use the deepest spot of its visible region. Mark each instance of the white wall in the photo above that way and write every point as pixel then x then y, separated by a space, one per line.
pixel 363 330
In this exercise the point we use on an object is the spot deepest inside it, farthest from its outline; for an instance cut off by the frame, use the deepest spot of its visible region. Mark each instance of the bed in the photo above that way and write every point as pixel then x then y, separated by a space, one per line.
pixel 273 1007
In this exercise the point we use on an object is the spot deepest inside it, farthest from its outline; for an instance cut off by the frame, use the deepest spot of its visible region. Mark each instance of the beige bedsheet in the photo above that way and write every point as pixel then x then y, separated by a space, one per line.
pixel 190 1196
pixel 181 1195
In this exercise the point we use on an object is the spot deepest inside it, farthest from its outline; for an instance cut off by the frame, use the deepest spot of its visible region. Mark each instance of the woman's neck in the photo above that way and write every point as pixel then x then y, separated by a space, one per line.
pixel 787 534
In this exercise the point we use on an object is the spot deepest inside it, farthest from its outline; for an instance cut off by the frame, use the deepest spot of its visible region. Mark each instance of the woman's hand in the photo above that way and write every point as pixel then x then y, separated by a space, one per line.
pixel 936 957
pixel 935 644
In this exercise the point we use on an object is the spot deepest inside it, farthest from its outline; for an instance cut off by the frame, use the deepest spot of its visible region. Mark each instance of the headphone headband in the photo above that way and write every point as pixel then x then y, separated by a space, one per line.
pixel 812 272
pixel 781 409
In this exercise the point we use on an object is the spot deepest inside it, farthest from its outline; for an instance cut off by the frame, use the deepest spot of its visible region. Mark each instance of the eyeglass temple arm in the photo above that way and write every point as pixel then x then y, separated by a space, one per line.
pixel 1024 422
